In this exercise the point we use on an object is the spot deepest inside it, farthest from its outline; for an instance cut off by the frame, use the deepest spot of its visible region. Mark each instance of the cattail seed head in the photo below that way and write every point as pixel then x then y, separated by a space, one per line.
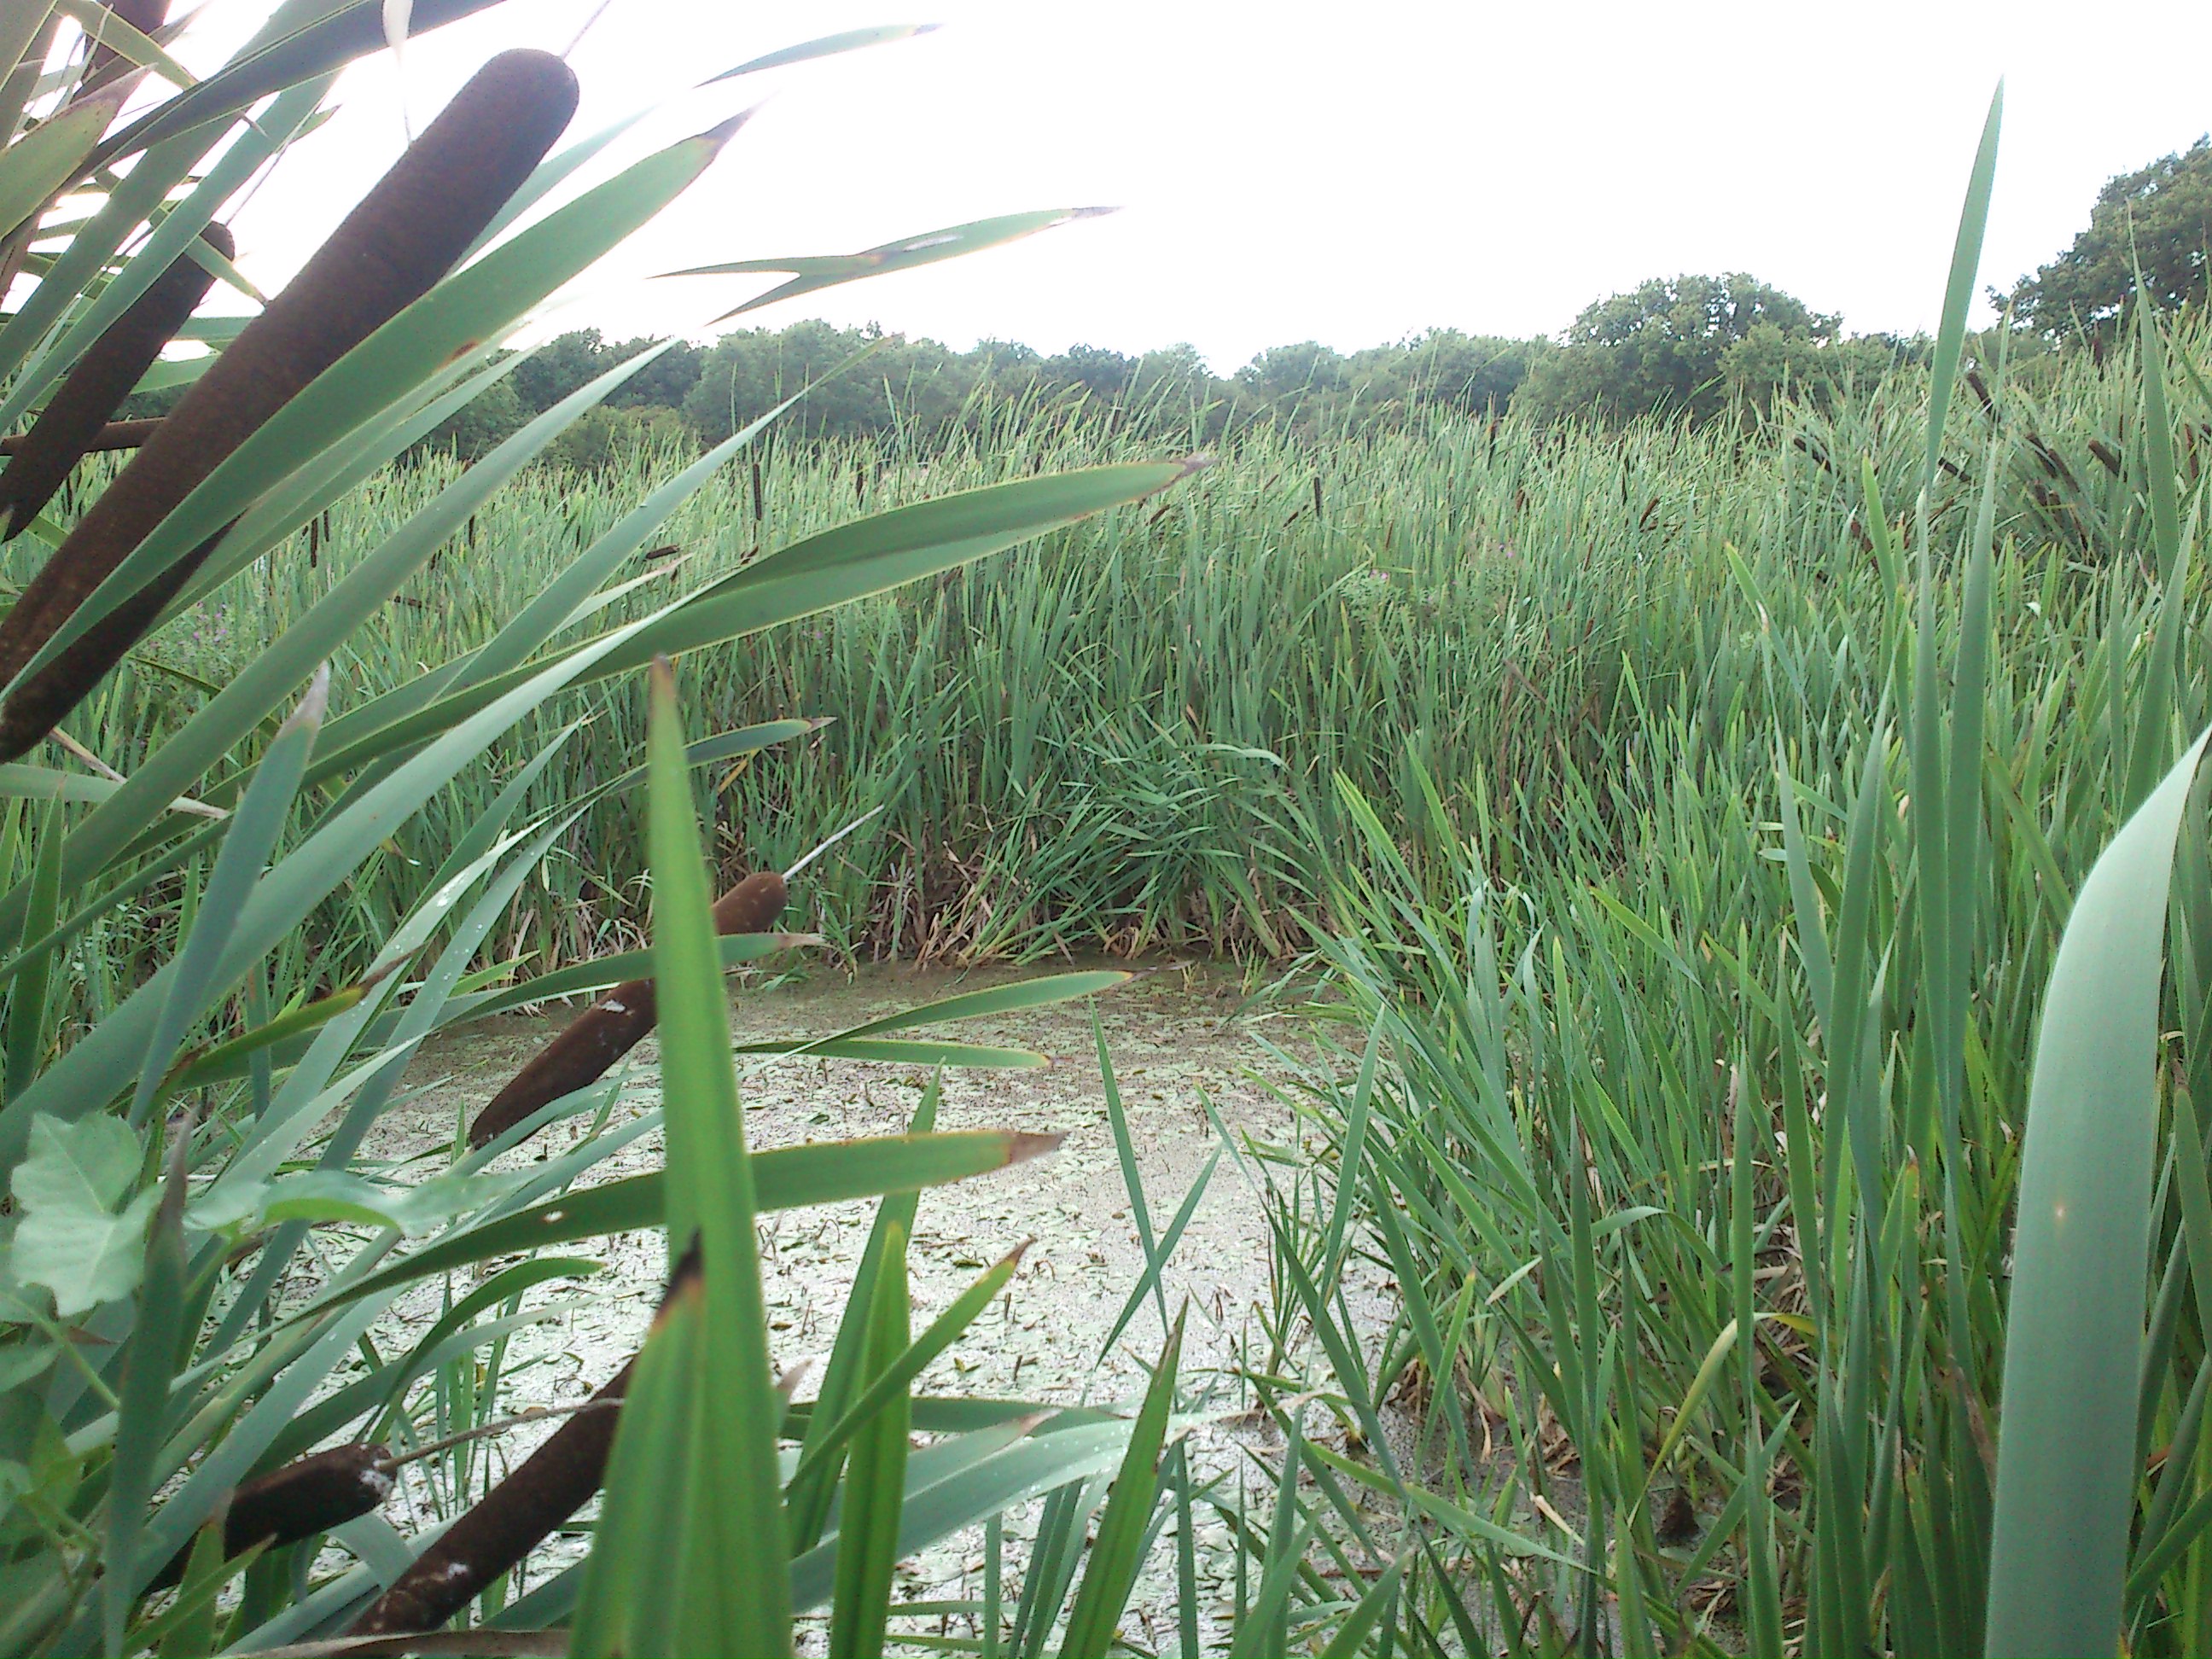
pixel 616 1022
pixel 405 234
pixel 74 416
pixel 302 1499
pixel 520 1513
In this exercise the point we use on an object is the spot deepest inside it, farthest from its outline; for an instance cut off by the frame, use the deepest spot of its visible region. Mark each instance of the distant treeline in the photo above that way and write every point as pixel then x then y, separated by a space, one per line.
pixel 1701 347
pixel 1700 344
pixel 862 381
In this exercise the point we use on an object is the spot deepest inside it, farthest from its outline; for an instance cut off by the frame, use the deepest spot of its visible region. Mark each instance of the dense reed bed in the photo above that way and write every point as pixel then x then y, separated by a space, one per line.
pixel 1759 1079
pixel 1127 735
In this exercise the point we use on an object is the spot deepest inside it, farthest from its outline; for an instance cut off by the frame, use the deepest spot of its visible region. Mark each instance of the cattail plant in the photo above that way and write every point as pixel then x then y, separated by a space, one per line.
pixel 224 1302
pixel 520 1513
pixel 304 1499
pixel 405 234
pixel 616 1022
pixel 75 421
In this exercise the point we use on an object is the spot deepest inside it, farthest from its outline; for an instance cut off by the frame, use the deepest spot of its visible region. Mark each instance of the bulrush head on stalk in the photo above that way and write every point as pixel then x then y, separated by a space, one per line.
pixel 616 1022
pixel 521 1511
pixel 409 231
pixel 75 417
pixel 303 1499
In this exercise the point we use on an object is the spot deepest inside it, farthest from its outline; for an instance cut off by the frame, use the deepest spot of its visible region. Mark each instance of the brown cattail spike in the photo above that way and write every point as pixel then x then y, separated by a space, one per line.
pixel 111 435
pixel 510 1521
pixel 301 1500
pixel 75 416
pixel 406 233
pixel 616 1022
pixel 519 1513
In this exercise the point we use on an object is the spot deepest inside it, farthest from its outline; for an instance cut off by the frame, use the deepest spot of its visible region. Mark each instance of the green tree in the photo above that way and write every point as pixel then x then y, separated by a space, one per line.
pixel 490 416
pixel 1770 361
pixel 1295 383
pixel 1475 374
pixel 664 382
pixel 1666 346
pixel 911 386
pixel 2160 217
pixel 558 367
pixel 1105 376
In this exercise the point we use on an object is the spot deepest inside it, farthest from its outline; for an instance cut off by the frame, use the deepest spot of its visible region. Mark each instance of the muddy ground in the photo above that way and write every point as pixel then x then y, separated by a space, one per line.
pixel 1179 1038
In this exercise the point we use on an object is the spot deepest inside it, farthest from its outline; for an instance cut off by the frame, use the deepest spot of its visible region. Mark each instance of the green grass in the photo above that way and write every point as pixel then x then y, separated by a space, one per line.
pixel 1125 735
pixel 1691 1098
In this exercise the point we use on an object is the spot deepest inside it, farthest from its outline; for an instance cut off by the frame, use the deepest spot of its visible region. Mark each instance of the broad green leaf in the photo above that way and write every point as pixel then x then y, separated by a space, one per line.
pixel 1117 1550
pixel 234 1059
pixel 82 1233
pixel 809 1494
pixel 786 1178
pixel 318 1196
pixel 698 1565
pixel 39 163
pixel 29 783
pixel 875 1472
pixel 2066 1461
pixel 630 1581
pixel 1959 296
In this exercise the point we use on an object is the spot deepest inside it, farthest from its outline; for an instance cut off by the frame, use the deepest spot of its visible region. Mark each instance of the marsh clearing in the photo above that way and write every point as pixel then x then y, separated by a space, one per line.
pixel 1182 1038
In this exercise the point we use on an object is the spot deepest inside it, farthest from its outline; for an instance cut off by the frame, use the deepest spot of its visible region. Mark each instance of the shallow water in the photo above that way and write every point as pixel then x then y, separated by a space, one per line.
pixel 1179 1038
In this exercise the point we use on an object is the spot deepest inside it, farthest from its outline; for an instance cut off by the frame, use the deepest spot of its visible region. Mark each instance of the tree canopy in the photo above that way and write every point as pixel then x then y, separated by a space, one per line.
pixel 1697 345
pixel 2159 217
pixel 863 381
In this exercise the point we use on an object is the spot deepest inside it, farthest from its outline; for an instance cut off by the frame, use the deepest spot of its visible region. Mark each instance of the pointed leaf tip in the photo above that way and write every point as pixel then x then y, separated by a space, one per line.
pixel 315 703
pixel 721 134
pixel 1024 1146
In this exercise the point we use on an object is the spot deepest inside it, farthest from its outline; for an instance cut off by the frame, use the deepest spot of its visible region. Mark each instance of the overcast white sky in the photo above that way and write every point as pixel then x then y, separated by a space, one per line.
pixel 1350 173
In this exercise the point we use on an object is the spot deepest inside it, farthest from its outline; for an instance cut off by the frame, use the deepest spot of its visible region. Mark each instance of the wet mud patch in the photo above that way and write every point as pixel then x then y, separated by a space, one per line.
pixel 1182 1039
